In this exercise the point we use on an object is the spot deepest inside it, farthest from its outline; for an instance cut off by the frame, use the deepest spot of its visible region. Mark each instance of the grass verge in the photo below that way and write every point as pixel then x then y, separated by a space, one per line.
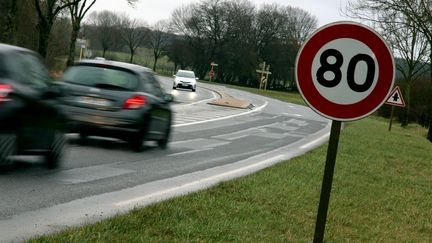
pixel 292 97
pixel 382 192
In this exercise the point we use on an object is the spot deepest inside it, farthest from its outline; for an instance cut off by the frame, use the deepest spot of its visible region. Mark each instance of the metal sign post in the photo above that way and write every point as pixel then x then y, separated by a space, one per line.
pixel 327 181
pixel 395 99
pixel 212 72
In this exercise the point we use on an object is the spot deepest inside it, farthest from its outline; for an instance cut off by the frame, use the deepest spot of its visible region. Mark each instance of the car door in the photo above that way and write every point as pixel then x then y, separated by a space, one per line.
pixel 37 117
pixel 160 112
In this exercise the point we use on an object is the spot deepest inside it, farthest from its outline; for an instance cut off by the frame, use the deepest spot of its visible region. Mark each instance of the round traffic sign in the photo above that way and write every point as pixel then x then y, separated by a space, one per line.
pixel 345 71
pixel 211 73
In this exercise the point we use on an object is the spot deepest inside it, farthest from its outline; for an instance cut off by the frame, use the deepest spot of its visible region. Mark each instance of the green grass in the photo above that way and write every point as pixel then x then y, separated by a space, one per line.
pixel 292 96
pixel 382 192
pixel 143 56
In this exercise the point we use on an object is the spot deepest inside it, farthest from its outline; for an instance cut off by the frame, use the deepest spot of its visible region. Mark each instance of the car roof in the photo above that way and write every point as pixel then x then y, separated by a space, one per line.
pixel 186 71
pixel 6 48
pixel 124 65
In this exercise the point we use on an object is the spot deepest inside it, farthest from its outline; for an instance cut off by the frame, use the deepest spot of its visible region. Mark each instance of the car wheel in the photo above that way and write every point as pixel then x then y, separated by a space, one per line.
pixel 8 146
pixel 163 143
pixel 137 141
pixel 83 135
pixel 55 154
pixel 174 86
pixel 193 89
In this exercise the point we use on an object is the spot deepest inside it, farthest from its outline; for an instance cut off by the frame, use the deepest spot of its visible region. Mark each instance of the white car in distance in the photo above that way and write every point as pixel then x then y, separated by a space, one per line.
pixel 185 79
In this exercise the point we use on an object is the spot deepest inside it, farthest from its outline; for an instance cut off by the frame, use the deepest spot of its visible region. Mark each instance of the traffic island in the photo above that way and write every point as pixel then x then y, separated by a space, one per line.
pixel 229 101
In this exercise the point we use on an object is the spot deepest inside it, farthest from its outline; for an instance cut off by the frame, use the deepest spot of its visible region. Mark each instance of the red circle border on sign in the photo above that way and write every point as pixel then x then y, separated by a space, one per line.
pixel 345 112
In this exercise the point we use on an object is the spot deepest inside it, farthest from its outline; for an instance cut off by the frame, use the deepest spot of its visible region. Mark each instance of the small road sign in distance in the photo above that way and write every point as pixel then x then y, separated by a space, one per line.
pixel 211 73
pixel 345 71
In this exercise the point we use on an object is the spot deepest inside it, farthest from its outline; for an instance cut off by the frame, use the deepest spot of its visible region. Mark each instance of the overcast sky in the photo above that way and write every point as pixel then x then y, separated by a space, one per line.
pixel 151 11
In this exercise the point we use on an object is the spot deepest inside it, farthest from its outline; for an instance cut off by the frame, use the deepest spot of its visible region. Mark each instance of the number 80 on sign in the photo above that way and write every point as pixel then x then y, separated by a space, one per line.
pixel 345 71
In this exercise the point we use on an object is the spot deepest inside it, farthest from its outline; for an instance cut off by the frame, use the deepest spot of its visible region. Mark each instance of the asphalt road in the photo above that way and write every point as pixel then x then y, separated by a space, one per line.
pixel 101 177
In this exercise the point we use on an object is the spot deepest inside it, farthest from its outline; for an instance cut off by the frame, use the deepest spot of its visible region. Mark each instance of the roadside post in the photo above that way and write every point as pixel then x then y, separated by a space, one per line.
pixel 265 72
pixel 344 72
pixel 212 72
pixel 82 51
pixel 395 99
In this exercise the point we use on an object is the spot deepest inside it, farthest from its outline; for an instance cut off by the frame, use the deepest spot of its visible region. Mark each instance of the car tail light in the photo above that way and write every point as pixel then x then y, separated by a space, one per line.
pixel 135 102
pixel 5 89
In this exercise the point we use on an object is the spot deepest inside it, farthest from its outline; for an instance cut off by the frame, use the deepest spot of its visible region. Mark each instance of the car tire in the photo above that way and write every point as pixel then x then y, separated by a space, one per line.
pixel 83 135
pixel 163 143
pixel 174 86
pixel 8 147
pixel 137 141
pixel 193 89
pixel 55 153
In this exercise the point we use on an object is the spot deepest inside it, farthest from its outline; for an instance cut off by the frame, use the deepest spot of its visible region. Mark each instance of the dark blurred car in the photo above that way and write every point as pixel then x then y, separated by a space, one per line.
pixel 116 99
pixel 30 121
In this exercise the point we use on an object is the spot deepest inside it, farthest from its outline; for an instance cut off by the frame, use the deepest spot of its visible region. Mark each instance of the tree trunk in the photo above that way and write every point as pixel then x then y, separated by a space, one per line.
pixel 74 36
pixel 9 35
pixel 131 56
pixel 429 136
pixel 154 63
pixel 407 96
pixel 44 34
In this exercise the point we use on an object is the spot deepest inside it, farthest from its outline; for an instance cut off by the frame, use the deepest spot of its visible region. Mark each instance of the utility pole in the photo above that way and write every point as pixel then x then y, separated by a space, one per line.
pixel 265 72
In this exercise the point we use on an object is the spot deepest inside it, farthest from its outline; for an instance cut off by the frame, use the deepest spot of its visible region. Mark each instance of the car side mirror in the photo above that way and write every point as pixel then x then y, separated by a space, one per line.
pixel 168 98
pixel 174 76
pixel 196 78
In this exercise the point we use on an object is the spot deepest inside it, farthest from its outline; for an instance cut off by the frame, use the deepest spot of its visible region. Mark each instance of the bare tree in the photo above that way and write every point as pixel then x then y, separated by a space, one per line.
pixel 9 12
pixel 300 24
pixel 158 40
pixel 133 33
pixel 77 10
pixel 411 45
pixel 106 26
pixel 270 23
pixel 416 13
pixel 205 26
pixel 47 11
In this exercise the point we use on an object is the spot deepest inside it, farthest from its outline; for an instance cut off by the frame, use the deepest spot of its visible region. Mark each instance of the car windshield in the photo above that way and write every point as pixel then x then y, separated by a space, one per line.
pixel 185 74
pixel 101 77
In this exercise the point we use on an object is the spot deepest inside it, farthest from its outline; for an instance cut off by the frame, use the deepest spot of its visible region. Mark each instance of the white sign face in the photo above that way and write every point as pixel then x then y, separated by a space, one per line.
pixel 345 71
pixel 347 49
pixel 396 98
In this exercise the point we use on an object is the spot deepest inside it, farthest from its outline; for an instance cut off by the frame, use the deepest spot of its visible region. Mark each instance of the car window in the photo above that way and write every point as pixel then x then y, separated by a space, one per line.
pixel 151 85
pixel 29 69
pixel 185 74
pixel 102 77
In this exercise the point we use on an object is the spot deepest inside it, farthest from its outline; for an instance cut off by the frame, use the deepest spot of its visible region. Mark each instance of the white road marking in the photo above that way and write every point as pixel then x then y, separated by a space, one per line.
pixel 189 152
pixel 315 142
pixel 87 174
pixel 223 118
pixel 198 102
pixel 195 183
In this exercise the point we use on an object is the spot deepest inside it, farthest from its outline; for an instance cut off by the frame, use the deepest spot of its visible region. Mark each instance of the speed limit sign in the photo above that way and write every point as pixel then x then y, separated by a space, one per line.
pixel 345 71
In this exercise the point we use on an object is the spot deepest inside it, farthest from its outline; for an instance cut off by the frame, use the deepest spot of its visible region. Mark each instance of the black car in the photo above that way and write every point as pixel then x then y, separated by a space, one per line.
pixel 116 99
pixel 31 123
